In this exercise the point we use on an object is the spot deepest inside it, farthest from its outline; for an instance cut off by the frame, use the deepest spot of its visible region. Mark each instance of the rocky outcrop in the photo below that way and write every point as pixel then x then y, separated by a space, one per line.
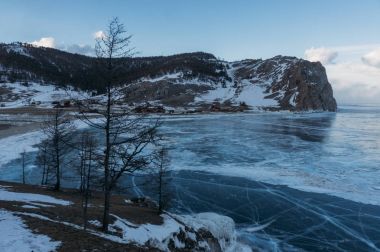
pixel 295 84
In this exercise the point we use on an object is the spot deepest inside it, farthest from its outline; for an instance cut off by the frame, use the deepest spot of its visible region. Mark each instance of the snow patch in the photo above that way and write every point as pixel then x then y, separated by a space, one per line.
pixel 163 77
pixel 253 95
pixel 15 236
pixel 29 207
pixel 30 198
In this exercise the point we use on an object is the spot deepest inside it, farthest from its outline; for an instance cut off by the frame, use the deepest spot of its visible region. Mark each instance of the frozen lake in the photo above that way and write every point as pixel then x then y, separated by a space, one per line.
pixel 312 179
pixel 333 153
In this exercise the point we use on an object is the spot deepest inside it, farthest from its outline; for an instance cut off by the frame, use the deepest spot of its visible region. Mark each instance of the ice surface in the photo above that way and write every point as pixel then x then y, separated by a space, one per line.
pixel 329 153
pixel 337 154
pixel 11 147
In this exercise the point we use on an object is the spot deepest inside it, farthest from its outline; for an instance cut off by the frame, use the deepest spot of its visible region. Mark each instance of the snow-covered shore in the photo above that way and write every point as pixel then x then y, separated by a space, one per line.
pixel 175 232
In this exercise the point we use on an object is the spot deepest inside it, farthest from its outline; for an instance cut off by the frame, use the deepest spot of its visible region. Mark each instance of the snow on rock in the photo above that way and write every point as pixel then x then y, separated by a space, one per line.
pixel 160 236
pixel 157 236
pixel 220 226
pixel 15 236
pixel 30 198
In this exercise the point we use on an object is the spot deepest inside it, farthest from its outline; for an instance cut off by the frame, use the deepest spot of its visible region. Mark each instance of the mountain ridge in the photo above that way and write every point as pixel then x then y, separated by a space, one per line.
pixel 182 80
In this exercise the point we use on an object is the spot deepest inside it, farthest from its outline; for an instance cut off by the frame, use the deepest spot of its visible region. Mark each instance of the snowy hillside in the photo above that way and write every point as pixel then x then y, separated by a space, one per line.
pixel 195 81
pixel 277 83
pixel 15 95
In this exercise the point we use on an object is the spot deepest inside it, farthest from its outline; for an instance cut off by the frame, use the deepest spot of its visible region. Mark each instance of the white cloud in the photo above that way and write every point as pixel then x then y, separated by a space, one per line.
pixel 354 75
pixel 99 34
pixel 73 48
pixel 45 42
pixel 372 58
pixel 321 54
pixel 354 82
pixel 80 49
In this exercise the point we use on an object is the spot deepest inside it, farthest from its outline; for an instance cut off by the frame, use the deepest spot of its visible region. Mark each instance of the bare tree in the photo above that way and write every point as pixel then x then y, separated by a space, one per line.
pixel 88 163
pixel 42 161
pixel 58 130
pixel 125 136
pixel 162 165
pixel 82 164
pixel 23 166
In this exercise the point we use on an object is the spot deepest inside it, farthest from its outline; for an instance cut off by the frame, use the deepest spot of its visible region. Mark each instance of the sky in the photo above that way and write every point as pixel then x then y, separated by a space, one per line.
pixel 343 34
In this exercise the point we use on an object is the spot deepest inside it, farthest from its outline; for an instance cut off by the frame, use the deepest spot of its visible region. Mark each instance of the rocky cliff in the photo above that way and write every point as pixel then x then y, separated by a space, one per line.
pixel 192 80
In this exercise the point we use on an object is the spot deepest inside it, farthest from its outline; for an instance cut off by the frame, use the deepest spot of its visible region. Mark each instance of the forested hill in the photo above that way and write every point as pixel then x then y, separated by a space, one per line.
pixel 23 62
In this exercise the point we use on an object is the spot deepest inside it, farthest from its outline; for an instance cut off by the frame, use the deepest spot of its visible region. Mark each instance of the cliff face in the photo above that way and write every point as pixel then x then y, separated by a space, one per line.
pixel 295 84
pixel 185 80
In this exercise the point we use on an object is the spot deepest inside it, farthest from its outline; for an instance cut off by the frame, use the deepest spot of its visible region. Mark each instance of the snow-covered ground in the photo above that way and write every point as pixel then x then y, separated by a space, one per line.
pixel 31 198
pixel 16 237
pixel 252 95
pixel 14 234
pixel 41 95
pixel 221 227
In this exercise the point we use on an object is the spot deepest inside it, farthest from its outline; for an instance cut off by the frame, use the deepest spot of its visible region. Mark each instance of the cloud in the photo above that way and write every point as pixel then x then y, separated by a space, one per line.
pixel 99 34
pixel 80 49
pixel 354 82
pixel 321 54
pixel 354 75
pixel 72 48
pixel 45 42
pixel 372 58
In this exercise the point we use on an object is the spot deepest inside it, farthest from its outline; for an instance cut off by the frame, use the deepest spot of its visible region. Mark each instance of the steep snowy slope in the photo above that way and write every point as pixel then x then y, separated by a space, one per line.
pixel 277 83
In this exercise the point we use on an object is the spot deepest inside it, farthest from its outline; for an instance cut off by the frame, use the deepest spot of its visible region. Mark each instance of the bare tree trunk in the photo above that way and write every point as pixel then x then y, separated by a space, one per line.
pixel 107 193
pixel 87 192
pixel 23 167
pixel 82 165
pixel 56 149
pixel 43 173
pixel 106 213
pixel 47 174
pixel 59 131
pixel 162 164
pixel 58 170
pixel 160 193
